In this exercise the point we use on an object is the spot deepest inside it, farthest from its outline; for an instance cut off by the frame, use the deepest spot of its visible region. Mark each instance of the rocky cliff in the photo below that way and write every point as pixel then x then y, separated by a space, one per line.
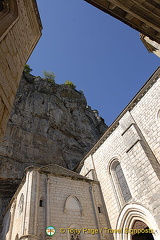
pixel 49 123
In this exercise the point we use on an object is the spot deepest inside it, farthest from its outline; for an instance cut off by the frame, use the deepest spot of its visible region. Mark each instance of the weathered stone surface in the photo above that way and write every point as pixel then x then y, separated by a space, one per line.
pixel 48 124
pixel 16 19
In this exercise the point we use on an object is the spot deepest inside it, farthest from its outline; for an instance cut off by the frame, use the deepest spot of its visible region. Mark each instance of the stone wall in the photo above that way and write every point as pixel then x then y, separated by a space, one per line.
pixel 17 42
pixel 135 144
pixel 67 202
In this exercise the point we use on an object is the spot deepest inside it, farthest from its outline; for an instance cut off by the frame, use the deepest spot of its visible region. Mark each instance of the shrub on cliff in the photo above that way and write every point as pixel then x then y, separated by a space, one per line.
pixel 70 84
pixel 27 69
pixel 50 76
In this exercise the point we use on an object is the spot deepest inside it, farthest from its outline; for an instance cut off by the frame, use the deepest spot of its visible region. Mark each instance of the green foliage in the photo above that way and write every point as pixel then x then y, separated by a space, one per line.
pixel 50 76
pixel 27 69
pixel 70 84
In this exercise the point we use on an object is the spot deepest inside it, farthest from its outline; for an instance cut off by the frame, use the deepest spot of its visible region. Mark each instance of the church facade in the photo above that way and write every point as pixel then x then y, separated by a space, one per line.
pixel 126 162
pixel 115 196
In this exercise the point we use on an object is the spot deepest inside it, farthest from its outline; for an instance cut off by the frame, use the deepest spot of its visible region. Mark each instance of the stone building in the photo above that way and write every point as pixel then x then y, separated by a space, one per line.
pixel 19 33
pixel 118 187
pixel 115 196
pixel 126 162
pixel 55 196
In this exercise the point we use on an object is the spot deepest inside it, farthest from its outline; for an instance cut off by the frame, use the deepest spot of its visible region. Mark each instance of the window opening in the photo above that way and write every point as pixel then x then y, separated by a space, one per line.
pixel 122 183
pixel 4 6
pixel 100 209
pixel 1 5
pixel 41 203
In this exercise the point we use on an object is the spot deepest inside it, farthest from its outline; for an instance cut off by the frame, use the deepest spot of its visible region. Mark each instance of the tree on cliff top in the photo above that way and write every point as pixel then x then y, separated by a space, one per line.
pixel 50 76
pixel 27 69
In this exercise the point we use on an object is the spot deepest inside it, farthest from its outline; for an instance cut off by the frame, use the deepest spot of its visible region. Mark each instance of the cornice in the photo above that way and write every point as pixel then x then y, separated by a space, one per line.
pixel 37 13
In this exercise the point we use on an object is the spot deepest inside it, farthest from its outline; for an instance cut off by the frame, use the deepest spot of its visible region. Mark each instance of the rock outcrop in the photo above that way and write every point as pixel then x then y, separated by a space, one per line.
pixel 49 123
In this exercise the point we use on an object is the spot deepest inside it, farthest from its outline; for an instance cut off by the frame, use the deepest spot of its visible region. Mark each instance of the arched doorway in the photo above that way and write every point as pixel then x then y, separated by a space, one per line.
pixel 146 233
pixel 133 214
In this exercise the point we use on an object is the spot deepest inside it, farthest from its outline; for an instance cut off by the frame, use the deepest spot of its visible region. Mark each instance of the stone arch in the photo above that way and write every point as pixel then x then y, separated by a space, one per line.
pixel 116 157
pixel 72 203
pixel 8 15
pixel 129 215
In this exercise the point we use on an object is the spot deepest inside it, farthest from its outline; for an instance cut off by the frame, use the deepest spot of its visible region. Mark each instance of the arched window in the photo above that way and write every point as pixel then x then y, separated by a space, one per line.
pixel 120 183
pixel 72 203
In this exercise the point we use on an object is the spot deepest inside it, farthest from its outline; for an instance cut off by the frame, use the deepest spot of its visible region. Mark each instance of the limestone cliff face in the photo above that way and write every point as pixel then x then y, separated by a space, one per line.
pixel 49 123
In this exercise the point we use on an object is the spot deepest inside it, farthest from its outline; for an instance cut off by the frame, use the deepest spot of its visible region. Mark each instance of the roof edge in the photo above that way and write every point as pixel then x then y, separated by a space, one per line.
pixel 37 14
pixel 150 82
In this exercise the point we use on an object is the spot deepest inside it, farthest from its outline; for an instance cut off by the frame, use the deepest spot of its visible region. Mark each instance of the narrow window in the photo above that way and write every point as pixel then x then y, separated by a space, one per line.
pixel 100 209
pixel 1 5
pixel 4 6
pixel 41 203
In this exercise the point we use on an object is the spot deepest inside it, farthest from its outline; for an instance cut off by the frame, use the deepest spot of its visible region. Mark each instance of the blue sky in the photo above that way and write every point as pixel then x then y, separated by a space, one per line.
pixel 102 56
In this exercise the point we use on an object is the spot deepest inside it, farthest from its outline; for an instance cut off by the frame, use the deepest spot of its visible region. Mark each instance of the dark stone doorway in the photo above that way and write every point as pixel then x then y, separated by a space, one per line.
pixel 141 236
